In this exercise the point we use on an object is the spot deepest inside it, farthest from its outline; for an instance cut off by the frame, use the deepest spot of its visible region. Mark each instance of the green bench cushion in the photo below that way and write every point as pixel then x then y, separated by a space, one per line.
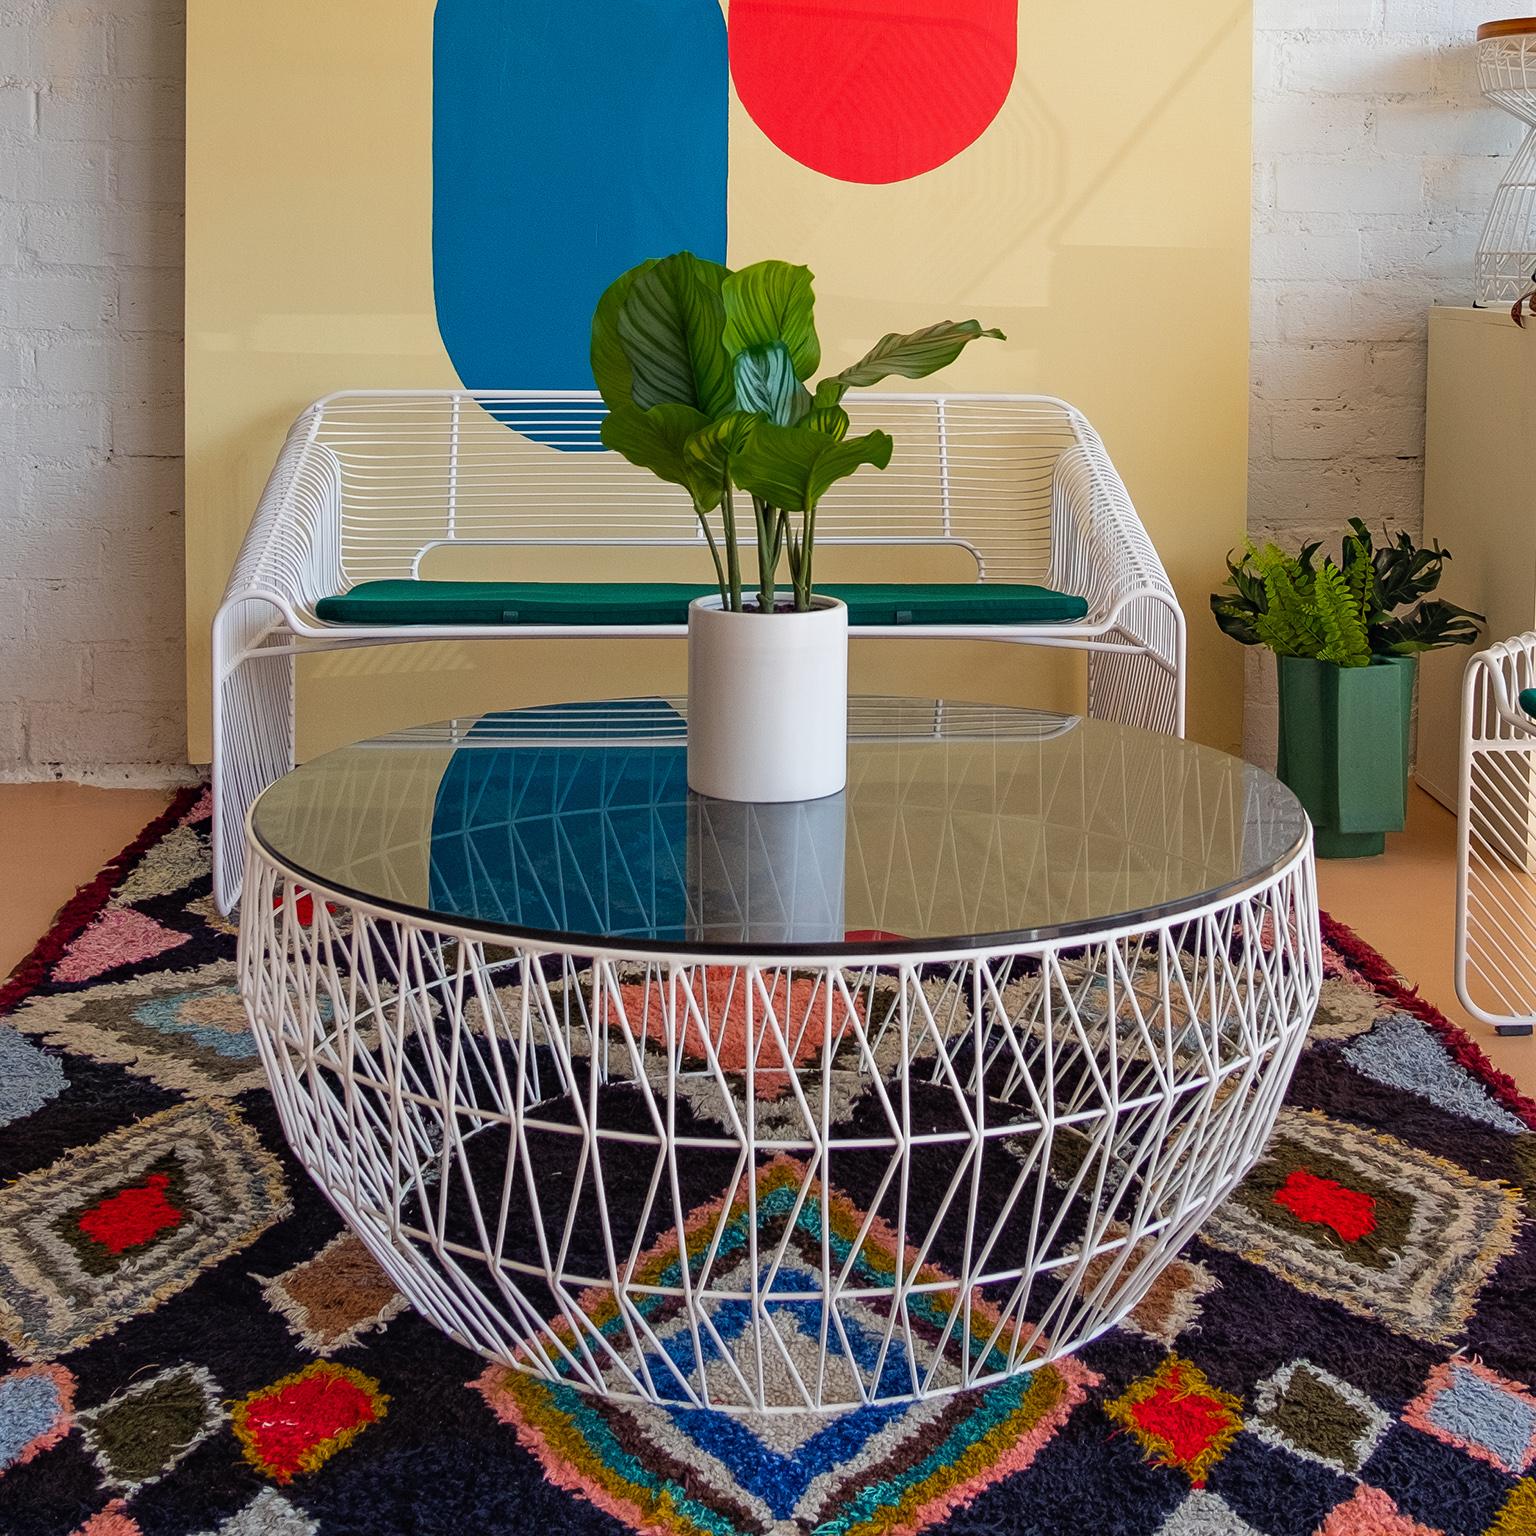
pixel 397 603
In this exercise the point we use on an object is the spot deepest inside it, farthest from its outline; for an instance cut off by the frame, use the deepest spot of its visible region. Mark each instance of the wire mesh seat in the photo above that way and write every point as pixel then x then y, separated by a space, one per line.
pixel 369 484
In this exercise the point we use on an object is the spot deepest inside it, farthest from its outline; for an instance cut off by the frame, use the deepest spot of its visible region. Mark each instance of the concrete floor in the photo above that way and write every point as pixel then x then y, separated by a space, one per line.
pixel 1404 905
pixel 55 836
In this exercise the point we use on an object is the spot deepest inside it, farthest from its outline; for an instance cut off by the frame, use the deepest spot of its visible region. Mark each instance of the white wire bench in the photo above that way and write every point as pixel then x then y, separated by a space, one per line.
pixel 369 484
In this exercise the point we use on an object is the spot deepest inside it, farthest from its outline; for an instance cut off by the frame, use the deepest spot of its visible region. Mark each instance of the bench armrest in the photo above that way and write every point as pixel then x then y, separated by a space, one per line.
pixel 1099 549
pixel 291 553
pixel 1495 679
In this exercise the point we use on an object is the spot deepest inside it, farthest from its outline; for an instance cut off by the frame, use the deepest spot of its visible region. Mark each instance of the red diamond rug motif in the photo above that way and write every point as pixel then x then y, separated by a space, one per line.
pixel 1179 1419
pixel 133 1216
pixel 1349 1212
pixel 298 1423
pixel 1372 1222
pixel 116 1229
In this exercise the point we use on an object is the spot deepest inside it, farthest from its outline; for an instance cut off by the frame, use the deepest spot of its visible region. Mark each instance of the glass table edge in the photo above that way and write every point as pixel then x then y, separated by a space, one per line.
pixel 746 952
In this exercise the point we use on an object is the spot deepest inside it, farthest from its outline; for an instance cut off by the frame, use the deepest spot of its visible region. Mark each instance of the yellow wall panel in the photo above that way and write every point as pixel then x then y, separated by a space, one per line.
pixel 1102 221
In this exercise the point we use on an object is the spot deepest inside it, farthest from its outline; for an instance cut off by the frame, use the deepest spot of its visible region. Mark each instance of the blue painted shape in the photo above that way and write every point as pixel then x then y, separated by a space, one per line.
pixel 570 141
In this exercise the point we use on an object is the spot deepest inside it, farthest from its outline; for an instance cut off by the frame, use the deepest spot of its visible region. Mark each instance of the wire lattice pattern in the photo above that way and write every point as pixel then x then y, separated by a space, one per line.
pixel 777 1187
pixel 1496 840
pixel 1506 256
pixel 370 485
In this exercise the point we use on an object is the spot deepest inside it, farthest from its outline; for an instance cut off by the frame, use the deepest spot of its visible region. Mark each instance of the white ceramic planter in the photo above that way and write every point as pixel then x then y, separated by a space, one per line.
pixel 767 702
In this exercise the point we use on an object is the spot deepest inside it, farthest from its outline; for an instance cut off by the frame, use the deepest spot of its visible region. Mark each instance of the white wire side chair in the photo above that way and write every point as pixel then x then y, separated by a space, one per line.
pixel 369 484
pixel 1496 839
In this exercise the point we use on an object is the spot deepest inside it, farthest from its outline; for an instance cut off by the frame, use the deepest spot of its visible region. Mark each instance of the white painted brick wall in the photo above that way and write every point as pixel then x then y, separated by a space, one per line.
pixel 1374 161
pixel 91 107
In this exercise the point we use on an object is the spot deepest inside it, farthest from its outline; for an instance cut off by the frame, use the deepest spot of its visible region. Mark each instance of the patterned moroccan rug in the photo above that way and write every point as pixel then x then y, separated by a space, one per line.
pixel 192 1344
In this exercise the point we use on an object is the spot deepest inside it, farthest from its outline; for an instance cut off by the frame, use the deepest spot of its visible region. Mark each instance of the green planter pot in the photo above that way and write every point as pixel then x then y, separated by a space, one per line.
pixel 1344 749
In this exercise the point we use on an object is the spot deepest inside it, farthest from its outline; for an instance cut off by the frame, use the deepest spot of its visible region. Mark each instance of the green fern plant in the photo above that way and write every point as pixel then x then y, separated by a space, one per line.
pixel 1342 617
pixel 1289 624
pixel 1343 611
pixel 1359 575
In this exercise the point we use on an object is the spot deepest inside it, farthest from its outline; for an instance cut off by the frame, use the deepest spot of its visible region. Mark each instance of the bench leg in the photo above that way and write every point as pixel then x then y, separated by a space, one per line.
pixel 1144 688
pixel 253 729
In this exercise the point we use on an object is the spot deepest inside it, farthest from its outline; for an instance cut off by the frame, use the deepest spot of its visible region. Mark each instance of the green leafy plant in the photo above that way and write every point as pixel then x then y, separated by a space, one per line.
pixel 1347 610
pixel 704 372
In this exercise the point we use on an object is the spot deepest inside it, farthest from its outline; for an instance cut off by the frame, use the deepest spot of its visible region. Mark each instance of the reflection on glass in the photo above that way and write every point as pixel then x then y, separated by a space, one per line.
pixel 774 873
pixel 960 822
pixel 575 835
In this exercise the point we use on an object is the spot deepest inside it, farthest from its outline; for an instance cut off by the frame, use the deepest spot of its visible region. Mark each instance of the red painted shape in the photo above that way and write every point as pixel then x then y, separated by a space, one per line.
pixel 287 1427
pixel 1190 1422
pixel 871 936
pixel 1308 1197
pixel 132 1216
pixel 873 90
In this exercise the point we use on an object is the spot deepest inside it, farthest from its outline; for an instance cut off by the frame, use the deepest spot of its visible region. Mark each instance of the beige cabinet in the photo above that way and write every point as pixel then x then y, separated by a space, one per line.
pixel 1479 502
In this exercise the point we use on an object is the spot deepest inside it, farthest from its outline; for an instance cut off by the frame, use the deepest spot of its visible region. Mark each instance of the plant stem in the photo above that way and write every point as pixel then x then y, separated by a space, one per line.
pixel 807 551
pixel 768 529
pixel 714 554
pixel 797 568
pixel 730 589
pixel 784 540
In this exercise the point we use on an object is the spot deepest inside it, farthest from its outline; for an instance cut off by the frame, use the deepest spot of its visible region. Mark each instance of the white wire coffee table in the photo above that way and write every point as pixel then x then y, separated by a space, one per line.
pixel 778 1108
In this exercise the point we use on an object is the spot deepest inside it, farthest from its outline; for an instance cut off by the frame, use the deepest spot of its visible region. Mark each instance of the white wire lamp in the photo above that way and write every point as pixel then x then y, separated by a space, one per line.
pixel 1506 71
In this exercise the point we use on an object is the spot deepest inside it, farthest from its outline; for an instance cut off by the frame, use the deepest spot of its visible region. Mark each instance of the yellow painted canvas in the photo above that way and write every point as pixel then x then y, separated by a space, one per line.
pixel 1076 175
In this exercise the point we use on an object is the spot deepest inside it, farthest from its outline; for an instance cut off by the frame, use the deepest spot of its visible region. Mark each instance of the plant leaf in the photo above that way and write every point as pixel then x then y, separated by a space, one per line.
pixel 766 384
pixel 793 467
pixel 1428 627
pixel 710 450
pixel 1405 573
pixel 1234 618
pixel 670 326
pixel 829 392
pixel 915 355
pixel 773 301
pixel 1289 625
pixel 832 420
pixel 610 363
pixel 655 440
pixel 1242 603
pixel 1338 614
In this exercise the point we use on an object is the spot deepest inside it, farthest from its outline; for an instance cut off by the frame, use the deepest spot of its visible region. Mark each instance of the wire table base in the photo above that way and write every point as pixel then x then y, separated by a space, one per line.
pixel 776 1186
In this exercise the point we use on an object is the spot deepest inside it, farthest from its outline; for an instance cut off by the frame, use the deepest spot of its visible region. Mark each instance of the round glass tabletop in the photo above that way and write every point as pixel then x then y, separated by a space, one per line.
pixel 962 824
